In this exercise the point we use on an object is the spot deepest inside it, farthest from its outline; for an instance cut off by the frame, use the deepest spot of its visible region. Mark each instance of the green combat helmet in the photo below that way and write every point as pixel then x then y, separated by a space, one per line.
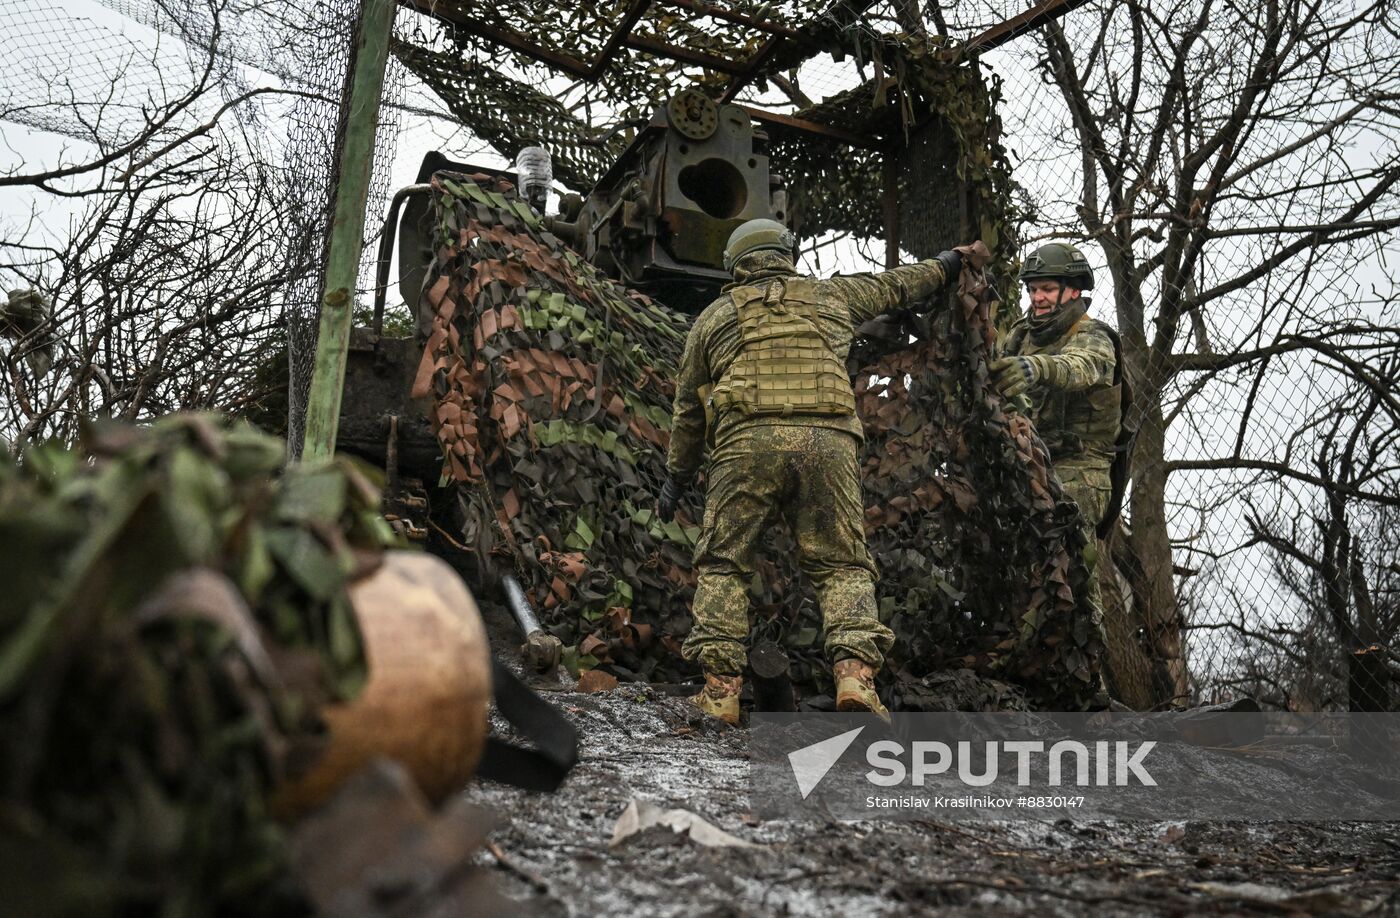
pixel 1055 261
pixel 761 235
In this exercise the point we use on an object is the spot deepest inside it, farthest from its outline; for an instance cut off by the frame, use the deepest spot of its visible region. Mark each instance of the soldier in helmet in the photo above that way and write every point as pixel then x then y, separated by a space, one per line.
pixel 1069 367
pixel 768 358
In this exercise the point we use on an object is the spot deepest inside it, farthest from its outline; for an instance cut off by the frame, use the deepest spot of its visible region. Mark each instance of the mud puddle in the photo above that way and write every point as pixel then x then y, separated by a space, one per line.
pixel 637 745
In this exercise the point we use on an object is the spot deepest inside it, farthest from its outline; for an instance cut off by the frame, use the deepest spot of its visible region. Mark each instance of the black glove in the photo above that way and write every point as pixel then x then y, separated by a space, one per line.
pixel 884 327
pixel 951 262
pixel 670 497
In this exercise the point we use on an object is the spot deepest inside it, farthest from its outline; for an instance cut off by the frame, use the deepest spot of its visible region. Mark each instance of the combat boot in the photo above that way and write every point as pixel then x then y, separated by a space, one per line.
pixel 855 688
pixel 720 697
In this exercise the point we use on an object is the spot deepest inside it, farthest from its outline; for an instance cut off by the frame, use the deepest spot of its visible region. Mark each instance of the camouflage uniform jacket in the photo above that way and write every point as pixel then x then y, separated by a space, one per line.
pixel 714 343
pixel 1076 402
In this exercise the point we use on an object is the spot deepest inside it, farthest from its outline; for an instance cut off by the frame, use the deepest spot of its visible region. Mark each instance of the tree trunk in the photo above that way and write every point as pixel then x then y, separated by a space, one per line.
pixel 1368 684
pixel 1151 545
pixel 1127 668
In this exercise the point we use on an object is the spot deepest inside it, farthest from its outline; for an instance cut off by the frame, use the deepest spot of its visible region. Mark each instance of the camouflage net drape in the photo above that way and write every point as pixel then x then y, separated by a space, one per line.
pixel 633 79
pixel 975 538
pixel 175 618
pixel 551 389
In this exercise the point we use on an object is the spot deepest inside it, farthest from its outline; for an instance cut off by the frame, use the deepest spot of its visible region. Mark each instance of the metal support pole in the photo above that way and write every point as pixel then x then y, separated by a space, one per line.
pixel 347 228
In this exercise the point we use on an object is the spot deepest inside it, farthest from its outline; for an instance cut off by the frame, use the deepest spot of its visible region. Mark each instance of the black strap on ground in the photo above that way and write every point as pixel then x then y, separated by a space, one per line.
pixel 542 768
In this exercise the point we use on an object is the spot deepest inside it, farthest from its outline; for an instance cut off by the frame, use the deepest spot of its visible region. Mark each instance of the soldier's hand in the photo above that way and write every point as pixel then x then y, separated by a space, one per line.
pixel 668 501
pixel 884 327
pixel 1012 376
pixel 951 262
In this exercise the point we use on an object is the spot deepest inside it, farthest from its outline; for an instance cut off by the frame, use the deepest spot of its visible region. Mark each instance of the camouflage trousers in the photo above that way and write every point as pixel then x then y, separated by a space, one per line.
pixel 809 477
pixel 1090 487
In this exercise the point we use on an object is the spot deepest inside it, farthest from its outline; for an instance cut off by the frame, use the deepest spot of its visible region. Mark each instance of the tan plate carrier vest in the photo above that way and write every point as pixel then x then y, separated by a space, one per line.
pixel 785 364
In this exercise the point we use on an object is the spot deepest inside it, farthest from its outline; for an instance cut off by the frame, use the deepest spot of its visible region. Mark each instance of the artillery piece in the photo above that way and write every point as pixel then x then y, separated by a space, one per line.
pixel 656 221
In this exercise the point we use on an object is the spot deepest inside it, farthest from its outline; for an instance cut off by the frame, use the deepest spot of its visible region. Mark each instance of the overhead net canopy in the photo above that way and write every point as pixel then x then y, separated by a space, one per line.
pixel 886 137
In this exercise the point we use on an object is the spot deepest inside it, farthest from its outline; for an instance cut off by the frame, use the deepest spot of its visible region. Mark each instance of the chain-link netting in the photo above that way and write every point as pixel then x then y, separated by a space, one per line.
pixel 311 159
pixel 1268 457
pixel 128 77
pixel 312 140
pixel 84 77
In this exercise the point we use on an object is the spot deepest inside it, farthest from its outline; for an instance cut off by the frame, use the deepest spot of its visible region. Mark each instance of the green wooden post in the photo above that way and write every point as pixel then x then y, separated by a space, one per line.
pixel 347 229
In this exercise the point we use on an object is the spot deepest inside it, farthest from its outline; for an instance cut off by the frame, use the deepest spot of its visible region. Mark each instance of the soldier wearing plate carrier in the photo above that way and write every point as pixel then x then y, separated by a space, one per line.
pixel 768 359
pixel 1069 367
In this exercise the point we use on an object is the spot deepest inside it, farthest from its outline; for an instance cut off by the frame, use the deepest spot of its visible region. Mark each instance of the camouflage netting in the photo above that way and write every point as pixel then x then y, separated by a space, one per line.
pixel 933 114
pixel 464 84
pixel 977 543
pixel 175 617
pixel 552 384
pixel 633 79
pixel 551 389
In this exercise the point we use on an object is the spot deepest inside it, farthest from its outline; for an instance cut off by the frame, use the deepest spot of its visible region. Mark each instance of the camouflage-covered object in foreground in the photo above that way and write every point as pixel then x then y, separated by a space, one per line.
pixel 174 617
pixel 551 390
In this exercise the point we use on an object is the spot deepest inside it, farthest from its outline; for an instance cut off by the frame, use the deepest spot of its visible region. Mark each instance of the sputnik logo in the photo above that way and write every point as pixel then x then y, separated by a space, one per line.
pixel 811 763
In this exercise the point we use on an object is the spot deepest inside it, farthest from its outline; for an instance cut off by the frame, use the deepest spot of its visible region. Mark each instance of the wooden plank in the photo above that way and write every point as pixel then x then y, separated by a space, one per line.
pixel 1029 21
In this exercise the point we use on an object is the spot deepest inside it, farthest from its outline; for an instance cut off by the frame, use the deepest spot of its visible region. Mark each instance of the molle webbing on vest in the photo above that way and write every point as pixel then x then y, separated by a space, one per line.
pixel 1070 421
pixel 785 365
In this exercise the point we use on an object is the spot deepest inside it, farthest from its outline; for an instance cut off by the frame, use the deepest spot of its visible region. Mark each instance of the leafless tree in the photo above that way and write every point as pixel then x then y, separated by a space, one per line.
pixel 165 291
pixel 1238 161
pixel 1340 562
pixel 163 298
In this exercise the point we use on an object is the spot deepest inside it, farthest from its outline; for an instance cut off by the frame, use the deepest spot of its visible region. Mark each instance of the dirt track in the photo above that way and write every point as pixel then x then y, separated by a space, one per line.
pixel 557 858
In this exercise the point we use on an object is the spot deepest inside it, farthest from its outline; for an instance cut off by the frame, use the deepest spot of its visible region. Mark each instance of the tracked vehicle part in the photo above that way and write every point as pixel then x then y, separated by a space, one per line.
pixel 379 373
pixel 405 502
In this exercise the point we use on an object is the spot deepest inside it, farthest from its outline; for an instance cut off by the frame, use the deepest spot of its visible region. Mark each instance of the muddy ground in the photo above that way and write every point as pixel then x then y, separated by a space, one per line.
pixel 554 855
